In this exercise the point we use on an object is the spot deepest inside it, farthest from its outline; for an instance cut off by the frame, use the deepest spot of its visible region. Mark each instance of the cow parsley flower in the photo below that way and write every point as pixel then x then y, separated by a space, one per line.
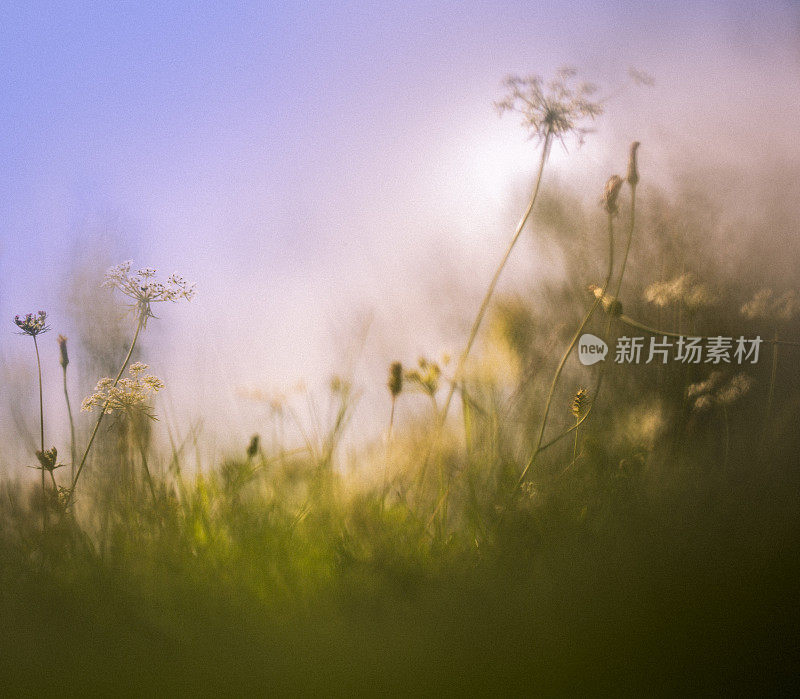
pixel 554 110
pixel 144 289
pixel 130 395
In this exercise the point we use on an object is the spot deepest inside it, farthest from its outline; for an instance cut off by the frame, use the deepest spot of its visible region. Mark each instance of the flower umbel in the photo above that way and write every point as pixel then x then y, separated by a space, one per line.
pixel 129 395
pixel 145 289
pixel 32 324
pixel 553 110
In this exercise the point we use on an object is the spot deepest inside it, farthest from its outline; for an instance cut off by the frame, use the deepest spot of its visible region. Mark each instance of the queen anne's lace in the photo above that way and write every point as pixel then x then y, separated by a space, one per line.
pixel 145 289
pixel 129 395
pixel 553 110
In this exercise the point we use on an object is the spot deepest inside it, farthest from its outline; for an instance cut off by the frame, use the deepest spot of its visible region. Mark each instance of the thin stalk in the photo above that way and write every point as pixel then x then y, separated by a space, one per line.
pixel 41 430
pixel 569 349
pixel 146 469
pixel 575 446
pixel 773 375
pixel 71 495
pixel 71 427
pixel 628 245
pixel 473 333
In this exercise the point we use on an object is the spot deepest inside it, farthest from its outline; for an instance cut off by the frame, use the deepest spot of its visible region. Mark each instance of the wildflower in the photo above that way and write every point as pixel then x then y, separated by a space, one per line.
pixel 395 383
pixel 580 403
pixel 426 377
pixel 766 306
pixel 709 392
pixel 682 289
pixel 129 395
pixel 47 459
pixel 738 386
pixel 701 387
pixel 554 110
pixel 32 324
pixel 62 347
pixel 142 287
pixel 611 193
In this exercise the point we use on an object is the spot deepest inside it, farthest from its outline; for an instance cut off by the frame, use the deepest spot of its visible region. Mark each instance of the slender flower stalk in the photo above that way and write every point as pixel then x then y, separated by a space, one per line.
pixel 33 325
pixel 610 204
pixel 551 112
pixel 64 362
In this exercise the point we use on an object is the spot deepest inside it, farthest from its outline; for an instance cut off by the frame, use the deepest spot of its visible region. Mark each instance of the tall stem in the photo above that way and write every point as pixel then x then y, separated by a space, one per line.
pixel 772 378
pixel 569 349
pixel 628 245
pixel 139 325
pixel 71 427
pixel 473 333
pixel 41 430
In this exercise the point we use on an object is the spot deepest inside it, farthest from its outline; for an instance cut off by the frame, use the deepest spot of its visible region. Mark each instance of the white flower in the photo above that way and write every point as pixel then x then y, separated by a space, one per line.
pixel 144 289
pixel 129 395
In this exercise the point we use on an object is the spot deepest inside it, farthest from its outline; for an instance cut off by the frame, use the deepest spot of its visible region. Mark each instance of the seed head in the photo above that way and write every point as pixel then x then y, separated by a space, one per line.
pixel 62 347
pixel 252 448
pixel 611 193
pixel 32 324
pixel 47 459
pixel 395 383
pixel 554 110
pixel 580 403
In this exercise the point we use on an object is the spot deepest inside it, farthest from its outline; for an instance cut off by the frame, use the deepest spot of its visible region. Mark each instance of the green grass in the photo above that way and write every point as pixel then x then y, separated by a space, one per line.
pixel 654 549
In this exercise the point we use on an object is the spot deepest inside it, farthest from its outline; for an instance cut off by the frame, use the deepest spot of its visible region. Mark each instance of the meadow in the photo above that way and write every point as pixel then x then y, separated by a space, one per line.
pixel 537 526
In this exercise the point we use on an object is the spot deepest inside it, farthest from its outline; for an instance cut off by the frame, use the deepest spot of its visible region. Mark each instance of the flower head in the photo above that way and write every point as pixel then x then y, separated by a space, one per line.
pixel 765 305
pixel 62 348
pixel 32 324
pixel 48 459
pixel 553 110
pixel 395 383
pixel 580 403
pixel 129 395
pixel 611 192
pixel 426 377
pixel 144 289
pixel 683 289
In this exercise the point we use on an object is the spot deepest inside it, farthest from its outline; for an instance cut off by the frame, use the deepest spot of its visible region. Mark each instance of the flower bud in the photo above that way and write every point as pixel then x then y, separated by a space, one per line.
pixel 62 346
pixel 611 193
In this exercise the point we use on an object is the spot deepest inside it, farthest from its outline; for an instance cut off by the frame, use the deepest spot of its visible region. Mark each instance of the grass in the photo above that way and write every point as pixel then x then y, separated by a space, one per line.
pixel 655 551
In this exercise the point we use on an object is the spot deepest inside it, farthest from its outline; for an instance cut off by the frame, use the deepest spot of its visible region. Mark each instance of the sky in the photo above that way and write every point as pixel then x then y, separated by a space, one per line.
pixel 333 175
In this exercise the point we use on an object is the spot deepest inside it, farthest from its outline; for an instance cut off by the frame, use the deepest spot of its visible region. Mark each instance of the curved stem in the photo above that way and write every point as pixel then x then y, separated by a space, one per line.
pixel 495 279
pixel 628 245
pixel 569 349
pixel 139 325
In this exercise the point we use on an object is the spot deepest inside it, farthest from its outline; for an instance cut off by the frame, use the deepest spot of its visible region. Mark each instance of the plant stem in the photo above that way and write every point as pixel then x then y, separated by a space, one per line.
pixel 495 279
pixel 569 349
pixel 772 377
pixel 71 495
pixel 71 428
pixel 41 430
pixel 628 245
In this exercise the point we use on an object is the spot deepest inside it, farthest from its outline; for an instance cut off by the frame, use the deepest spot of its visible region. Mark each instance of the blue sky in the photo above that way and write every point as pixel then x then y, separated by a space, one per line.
pixel 307 162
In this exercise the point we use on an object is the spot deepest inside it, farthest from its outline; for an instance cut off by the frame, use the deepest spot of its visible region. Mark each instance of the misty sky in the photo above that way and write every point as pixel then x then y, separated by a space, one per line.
pixel 309 164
